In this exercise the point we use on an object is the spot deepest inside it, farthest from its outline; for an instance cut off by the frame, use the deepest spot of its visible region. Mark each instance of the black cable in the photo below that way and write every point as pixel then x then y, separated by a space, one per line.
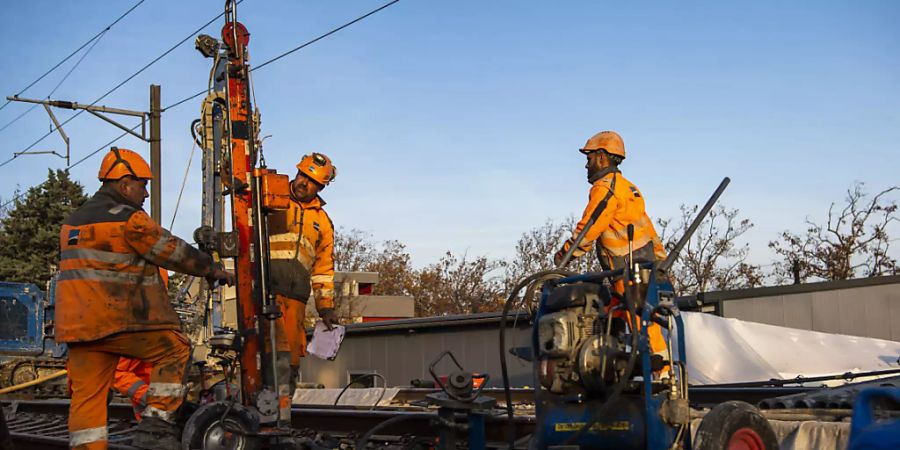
pixel 190 97
pixel 361 443
pixel 326 34
pixel 103 147
pixel 306 44
pixel 356 379
pixel 511 425
pixel 108 27
pixel 116 87
pixel 801 379
pixel 64 78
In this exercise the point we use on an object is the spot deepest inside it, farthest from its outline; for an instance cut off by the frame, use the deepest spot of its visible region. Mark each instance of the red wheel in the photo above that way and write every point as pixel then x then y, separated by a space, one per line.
pixel 735 426
pixel 745 439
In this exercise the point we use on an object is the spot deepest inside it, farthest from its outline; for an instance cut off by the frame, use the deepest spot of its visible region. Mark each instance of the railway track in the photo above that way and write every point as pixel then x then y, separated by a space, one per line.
pixel 41 424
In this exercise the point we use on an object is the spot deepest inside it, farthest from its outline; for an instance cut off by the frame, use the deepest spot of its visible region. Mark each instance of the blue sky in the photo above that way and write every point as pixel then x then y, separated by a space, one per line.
pixel 454 125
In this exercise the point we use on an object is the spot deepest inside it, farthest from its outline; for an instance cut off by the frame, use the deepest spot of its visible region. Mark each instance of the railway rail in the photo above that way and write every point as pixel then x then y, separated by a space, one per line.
pixel 41 424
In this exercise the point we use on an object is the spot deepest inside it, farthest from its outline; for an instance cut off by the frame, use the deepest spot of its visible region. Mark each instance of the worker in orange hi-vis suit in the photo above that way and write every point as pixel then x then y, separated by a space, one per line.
pixel 301 249
pixel 111 302
pixel 132 379
pixel 132 376
pixel 624 205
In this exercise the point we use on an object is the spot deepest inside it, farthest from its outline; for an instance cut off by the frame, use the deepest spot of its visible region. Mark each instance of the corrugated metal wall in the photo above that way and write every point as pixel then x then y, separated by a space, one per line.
pixel 402 354
pixel 868 310
pixel 402 350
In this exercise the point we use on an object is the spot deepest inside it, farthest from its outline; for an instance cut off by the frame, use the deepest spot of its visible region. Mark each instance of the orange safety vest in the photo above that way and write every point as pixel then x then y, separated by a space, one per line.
pixel 109 281
pixel 625 205
pixel 301 249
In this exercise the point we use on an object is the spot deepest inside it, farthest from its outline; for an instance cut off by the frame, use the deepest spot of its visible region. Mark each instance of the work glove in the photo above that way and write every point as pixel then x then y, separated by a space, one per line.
pixel 217 274
pixel 329 319
pixel 558 257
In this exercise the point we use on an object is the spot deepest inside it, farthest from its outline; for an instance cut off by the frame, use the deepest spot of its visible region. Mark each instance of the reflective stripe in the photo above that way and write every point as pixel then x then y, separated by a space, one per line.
pixel 87 436
pixel 134 388
pixel 282 254
pixel 160 246
pixel 322 278
pixel 179 253
pixel 98 255
pixel 108 276
pixel 323 293
pixel 165 390
pixel 284 401
pixel 168 416
pixel 284 237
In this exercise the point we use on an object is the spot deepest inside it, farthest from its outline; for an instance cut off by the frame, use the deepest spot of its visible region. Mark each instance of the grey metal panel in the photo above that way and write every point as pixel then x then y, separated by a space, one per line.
pixel 878 308
pixel 895 315
pixel 378 355
pixel 403 357
pixel 771 291
pixel 393 370
pixel 851 306
pixel 798 311
pixel 411 350
pixel 762 310
pixel 867 310
pixel 476 351
pixel 453 342
pixel 826 313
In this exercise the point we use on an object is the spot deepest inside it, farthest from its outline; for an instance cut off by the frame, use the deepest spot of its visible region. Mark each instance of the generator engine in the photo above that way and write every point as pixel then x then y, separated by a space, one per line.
pixel 582 349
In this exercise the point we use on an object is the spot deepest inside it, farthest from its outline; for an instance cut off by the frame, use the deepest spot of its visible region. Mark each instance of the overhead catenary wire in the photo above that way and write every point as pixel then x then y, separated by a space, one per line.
pixel 193 96
pixel 117 86
pixel 295 49
pixel 301 46
pixel 61 81
pixel 187 171
pixel 95 37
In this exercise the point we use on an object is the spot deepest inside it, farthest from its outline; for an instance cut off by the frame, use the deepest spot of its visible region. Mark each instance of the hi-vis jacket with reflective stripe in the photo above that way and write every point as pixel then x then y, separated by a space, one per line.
pixel 625 206
pixel 109 279
pixel 301 248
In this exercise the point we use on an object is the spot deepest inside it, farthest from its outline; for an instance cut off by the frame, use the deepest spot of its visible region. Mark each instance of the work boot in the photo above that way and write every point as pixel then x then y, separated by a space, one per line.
pixel 155 433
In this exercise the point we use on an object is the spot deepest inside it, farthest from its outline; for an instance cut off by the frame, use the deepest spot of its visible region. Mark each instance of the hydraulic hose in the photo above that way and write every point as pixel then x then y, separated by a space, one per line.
pixel 361 443
pixel 28 384
pixel 357 380
pixel 542 275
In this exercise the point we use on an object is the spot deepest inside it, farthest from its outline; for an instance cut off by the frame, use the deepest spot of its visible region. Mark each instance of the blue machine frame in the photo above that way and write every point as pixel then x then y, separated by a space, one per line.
pixel 38 339
pixel 632 423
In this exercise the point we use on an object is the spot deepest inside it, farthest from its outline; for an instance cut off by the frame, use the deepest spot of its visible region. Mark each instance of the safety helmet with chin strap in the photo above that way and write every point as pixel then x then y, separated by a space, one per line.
pixel 121 162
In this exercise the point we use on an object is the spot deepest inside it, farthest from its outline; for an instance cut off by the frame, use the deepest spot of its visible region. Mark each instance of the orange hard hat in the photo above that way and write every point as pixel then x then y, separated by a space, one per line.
pixel 609 141
pixel 318 167
pixel 120 162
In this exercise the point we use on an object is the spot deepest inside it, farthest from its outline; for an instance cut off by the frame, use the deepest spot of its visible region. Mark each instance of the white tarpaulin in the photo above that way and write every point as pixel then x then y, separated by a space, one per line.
pixel 721 350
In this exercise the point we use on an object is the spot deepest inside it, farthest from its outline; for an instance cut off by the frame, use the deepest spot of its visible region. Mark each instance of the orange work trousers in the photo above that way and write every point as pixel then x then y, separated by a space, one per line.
pixel 290 346
pixel 654 331
pixel 132 379
pixel 290 325
pixel 92 366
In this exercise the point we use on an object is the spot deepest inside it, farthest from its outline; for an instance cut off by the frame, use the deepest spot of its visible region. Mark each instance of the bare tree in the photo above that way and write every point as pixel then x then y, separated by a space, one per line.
pixel 353 250
pixel 536 247
pixel 458 285
pixel 394 269
pixel 357 251
pixel 712 259
pixel 853 240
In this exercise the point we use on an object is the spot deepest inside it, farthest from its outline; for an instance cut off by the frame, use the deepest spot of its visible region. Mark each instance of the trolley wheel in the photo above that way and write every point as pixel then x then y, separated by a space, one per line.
pixel 735 425
pixel 206 429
